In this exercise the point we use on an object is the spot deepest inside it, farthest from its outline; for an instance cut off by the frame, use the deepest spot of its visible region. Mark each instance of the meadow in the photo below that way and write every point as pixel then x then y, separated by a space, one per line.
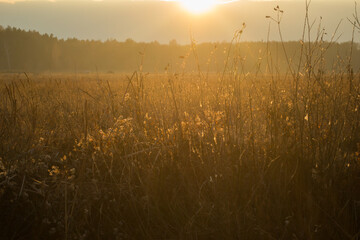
pixel 183 155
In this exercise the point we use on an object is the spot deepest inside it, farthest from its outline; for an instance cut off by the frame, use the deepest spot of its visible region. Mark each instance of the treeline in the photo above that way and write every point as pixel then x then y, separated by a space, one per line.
pixel 34 52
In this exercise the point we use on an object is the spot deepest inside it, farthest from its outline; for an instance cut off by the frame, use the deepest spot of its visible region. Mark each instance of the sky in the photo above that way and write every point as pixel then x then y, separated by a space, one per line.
pixel 149 20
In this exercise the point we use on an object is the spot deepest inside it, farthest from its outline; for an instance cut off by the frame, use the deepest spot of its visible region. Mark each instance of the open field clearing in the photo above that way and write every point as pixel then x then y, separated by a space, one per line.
pixel 208 139
pixel 195 156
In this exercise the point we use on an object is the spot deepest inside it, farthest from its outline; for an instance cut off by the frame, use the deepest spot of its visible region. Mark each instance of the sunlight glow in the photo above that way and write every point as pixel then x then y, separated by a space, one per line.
pixel 198 6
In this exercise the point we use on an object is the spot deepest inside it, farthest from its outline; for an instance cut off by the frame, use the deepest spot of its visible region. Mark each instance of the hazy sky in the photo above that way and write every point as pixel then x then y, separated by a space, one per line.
pixel 162 21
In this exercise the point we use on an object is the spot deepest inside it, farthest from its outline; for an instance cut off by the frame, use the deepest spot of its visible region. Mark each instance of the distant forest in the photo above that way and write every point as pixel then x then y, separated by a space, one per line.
pixel 34 52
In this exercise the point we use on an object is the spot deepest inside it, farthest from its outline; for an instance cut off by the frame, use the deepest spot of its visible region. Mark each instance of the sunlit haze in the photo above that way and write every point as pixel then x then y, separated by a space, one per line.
pixel 198 6
pixel 163 21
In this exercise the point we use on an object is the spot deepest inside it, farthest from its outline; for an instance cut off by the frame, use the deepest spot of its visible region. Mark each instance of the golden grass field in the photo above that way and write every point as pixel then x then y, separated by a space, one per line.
pixel 180 156
pixel 230 154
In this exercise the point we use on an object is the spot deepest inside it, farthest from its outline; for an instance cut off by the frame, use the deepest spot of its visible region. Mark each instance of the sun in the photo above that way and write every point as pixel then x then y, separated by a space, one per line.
pixel 198 6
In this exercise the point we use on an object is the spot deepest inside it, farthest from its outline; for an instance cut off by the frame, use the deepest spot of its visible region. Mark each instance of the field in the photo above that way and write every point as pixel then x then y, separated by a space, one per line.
pixel 194 156
pixel 272 153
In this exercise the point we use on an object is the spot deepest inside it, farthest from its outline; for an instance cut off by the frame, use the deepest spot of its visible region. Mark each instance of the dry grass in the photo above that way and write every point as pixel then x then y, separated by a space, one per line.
pixel 164 156
pixel 184 156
